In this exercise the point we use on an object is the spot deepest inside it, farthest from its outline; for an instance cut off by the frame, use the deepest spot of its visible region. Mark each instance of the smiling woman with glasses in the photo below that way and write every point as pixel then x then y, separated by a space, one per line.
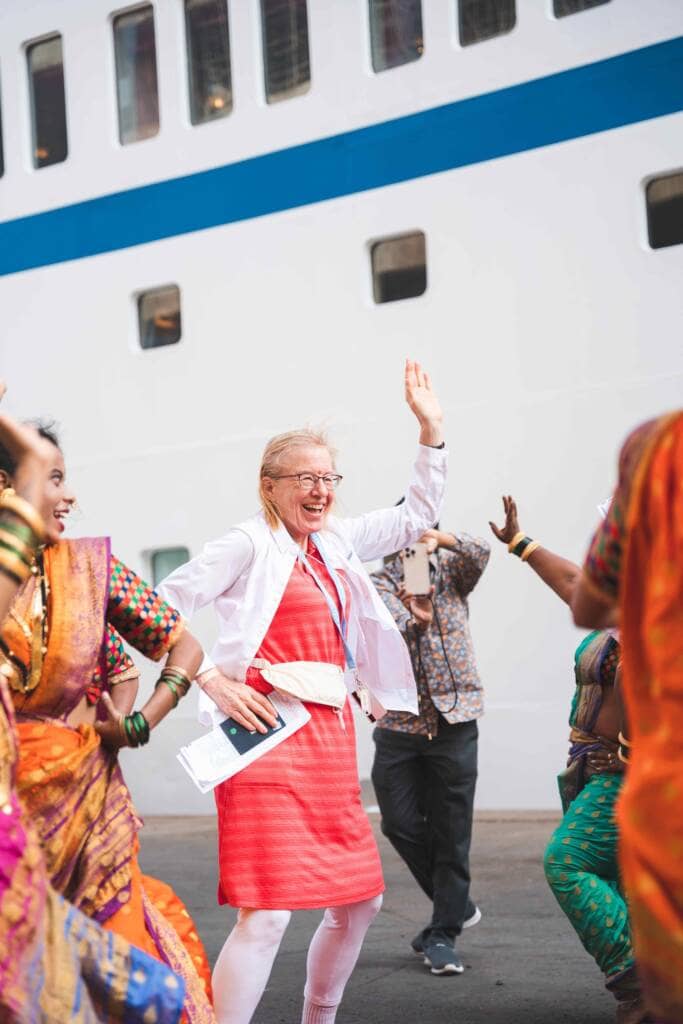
pixel 292 599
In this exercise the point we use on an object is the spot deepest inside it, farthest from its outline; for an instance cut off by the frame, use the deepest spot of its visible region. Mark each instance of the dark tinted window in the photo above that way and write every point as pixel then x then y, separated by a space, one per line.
pixel 483 19
pixel 208 57
pixel 286 61
pixel 136 75
pixel 159 317
pixel 165 560
pixel 665 211
pixel 399 268
pixel 48 103
pixel 395 32
pixel 561 8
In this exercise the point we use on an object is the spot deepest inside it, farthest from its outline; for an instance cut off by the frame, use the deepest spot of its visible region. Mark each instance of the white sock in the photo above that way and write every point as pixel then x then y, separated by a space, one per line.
pixel 314 1014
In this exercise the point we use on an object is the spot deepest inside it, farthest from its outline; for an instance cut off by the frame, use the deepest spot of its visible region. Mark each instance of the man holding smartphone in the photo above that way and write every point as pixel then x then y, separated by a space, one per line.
pixel 425 766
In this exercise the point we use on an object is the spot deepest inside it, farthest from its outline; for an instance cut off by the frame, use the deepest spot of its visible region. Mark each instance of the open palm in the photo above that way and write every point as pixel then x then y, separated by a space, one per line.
pixel 419 394
pixel 510 528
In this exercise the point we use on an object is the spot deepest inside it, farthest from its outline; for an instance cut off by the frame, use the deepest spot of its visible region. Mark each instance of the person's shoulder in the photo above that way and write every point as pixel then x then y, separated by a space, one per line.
pixel 81 545
pixel 465 542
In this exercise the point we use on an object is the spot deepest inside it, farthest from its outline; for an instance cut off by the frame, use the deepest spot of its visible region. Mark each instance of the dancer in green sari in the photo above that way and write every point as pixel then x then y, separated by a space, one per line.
pixel 581 857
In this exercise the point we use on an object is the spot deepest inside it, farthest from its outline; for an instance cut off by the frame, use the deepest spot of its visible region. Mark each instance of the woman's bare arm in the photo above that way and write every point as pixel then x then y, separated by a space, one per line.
pixel 557 572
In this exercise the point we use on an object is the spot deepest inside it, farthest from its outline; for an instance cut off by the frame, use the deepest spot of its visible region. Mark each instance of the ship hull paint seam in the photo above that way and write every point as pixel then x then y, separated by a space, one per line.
pixel 633 87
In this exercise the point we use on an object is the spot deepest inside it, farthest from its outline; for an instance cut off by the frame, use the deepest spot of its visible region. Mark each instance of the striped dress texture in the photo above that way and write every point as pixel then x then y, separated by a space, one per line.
pixel 292 831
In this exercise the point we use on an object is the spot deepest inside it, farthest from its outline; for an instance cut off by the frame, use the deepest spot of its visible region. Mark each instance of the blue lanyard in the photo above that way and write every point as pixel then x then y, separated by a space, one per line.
pixel 340 624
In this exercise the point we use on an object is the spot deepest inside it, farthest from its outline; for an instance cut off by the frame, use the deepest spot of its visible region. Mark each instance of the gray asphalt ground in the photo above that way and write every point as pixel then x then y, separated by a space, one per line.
pixel 524 964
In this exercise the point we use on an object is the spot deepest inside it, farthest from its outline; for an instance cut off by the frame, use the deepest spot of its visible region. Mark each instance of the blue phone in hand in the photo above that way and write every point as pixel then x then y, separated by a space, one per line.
pixel 243 740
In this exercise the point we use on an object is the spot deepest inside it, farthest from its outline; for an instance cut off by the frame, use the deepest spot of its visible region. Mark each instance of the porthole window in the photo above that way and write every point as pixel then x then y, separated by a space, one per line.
pixel 137 92
pixel 164 560
pixel 399 267
pixel 664 197
pixel 208 59
pixel 48 103
pixel 159 317
pixel 286 60
pixel 395 32
pixel 561 8
pixel 479 20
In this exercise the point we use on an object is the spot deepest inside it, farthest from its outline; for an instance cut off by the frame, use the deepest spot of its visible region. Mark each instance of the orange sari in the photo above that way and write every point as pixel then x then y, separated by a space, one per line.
pixel 71 786
pixel 647 524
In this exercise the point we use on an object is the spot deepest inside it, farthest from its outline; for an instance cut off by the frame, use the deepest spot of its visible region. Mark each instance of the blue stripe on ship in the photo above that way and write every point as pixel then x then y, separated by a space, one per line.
pixel 623 90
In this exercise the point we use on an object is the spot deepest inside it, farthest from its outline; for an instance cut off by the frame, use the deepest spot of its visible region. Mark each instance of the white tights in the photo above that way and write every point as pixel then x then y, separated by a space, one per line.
pixel 245 962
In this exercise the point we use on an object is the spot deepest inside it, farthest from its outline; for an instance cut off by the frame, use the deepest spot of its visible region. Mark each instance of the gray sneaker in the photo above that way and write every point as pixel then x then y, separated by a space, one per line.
pixel 473 917
pixel 440 955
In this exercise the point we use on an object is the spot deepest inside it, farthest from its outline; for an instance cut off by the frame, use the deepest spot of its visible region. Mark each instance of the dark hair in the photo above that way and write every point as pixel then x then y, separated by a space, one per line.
pixel 46 430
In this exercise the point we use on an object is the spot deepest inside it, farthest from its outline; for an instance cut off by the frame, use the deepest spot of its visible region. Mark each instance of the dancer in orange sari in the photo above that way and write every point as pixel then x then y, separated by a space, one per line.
pixel 634 573
pixel 58 647
pixel 56 964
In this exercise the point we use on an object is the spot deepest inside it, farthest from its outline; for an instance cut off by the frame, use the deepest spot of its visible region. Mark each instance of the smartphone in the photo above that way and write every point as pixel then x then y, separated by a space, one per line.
pixel 243 740
pixel 416 569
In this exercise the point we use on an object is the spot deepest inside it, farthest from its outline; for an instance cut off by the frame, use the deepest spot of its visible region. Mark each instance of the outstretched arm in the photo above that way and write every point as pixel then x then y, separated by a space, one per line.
pixel 557 572
pixel 387 530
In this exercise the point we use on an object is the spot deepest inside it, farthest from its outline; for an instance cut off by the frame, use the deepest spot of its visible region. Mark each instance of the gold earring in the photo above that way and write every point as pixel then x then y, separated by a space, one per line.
pixel 7 492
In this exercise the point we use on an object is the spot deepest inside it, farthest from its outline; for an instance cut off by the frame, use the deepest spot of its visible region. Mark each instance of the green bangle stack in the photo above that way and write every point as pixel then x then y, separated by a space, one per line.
pixel 176 680
pixel 136 729
pixel 18 545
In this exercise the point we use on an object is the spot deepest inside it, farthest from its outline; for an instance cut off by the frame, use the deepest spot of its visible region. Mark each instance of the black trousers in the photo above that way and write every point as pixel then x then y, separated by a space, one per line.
pixel 425 790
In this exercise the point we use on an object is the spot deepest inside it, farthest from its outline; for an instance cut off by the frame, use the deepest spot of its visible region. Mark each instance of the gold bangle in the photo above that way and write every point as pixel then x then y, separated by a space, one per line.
pixel 515 540
pixel 622 757
pixel 14 565
pixel 529 549
pixel 178 671
pixel 122 727
pixel 24 510
pixel 206 676
pixel 623 741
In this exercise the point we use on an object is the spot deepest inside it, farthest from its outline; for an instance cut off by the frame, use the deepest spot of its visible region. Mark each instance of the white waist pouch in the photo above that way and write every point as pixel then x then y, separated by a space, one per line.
pixel 315 681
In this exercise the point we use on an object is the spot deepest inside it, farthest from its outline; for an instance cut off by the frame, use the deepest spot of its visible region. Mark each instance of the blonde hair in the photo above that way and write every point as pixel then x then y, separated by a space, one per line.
pixel 271 460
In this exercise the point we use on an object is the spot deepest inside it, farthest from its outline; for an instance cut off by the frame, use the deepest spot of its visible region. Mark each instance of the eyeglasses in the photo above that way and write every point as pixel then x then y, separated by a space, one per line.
pixel 307 481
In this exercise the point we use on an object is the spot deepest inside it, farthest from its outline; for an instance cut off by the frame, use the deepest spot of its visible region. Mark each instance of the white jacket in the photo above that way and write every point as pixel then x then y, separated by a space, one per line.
pixel 245 573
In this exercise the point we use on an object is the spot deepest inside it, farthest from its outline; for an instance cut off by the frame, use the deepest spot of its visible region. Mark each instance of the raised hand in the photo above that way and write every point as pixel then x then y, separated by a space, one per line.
pixel 423 403
pixel 510 528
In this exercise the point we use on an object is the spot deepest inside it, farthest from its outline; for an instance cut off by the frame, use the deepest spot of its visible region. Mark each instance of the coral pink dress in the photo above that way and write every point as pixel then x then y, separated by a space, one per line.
pixel 292 833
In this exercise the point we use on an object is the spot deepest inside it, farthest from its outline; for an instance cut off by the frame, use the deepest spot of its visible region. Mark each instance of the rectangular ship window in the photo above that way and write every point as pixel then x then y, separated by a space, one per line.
pixel 395 32
pixel 664 197
pixel 479 20
pixel 165 560
pixel 561 8
pixel 159 317
pixel 137 92
pixel 48 102
pixel 208 58
pixel 286 60
pixel 399 267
